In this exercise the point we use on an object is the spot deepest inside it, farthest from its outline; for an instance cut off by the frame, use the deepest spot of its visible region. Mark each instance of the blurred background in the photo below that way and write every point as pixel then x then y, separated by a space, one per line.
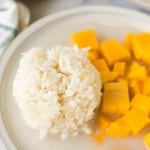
pixel 40 8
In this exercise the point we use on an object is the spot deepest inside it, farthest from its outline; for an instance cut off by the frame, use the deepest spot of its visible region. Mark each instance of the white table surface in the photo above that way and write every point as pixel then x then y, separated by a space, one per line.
pixel 41 8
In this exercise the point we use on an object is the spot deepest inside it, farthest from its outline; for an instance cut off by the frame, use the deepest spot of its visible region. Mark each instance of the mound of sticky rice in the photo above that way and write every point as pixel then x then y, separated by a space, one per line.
pixel 57 90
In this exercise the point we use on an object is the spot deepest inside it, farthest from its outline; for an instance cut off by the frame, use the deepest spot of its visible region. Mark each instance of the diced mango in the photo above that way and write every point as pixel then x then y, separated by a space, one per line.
pixel 93 55
pixel 136 120
pixel 120 68
pixel 137 71
pixel 103 122
pixel 114 51
pixel 141 103
pixel 85 39
pixel 100 65
pixel 139 44
pixel 108 76
pixel 118 128
pixel 137 47
pixel 147 140
pixel 124 80
pixel 135 87
pixel 144 38
pixel 115 98
pixel 146 54
pixel 111 58
pixel 146 87
pixel 128 40
pixel 98 137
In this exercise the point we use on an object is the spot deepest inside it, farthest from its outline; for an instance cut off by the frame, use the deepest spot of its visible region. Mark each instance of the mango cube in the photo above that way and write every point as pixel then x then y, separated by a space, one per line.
pixel 144 38
pixel 137 48
pixel 118 128
pixel 139 44
pixel 103 122
pixel 85 39
pixel 146 54
pixel 114 51
pixel 135 87
pixel 128 40
pixel 115 98
pixel 120 68
pixel 141 103
pixel 108 76
pixel 146 87
pixel 136 120
pixel 147 139
pixel 137 71
pixel 93 55
pixel 100 65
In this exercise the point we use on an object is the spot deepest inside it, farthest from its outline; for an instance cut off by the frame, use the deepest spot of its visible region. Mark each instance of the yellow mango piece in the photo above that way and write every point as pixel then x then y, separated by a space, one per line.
pixel 146 54
pixel 103 122
pixel 138 43
pixel 135 87
pixel 146 87
pixel 144 38
pixel 137 71
pixel 135 44
pixel 115 98
pixel 136 120
pixel 120 68
pixel 114 51
pixel 100 65
pixel 93 55
pixel 98 137
pixel 85 38
pixel 137 48
pixel 141 103
pixel 128 40
pixel 118 128
pixel 108 76
pixel 147 140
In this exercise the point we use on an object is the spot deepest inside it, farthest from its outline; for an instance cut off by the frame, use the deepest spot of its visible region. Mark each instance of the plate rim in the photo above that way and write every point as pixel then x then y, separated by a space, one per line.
pixel 4 58
pixel 141 4
pixel 49 18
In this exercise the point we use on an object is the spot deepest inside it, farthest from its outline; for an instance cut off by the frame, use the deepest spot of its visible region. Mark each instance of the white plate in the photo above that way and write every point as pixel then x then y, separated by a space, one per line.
pixel 108 22
pixel 144 4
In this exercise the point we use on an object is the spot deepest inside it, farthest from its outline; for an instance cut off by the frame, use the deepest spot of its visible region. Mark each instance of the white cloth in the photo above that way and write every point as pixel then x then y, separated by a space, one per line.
pixel 13 18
